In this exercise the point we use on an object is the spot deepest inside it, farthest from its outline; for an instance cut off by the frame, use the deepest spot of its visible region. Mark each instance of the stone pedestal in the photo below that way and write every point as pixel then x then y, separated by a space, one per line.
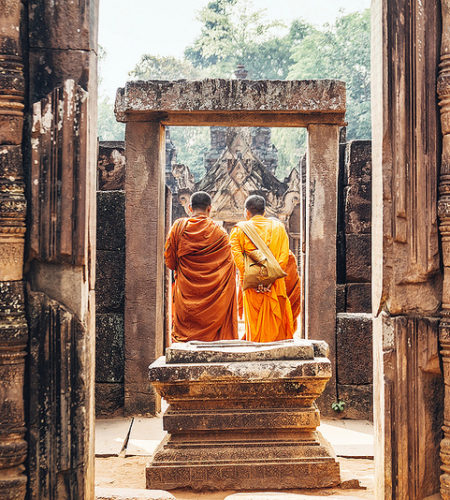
pixel 242 415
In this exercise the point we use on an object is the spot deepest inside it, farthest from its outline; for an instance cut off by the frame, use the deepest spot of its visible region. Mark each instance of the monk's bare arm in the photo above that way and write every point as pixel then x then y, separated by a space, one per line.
pixel 236 249
pixel 170 249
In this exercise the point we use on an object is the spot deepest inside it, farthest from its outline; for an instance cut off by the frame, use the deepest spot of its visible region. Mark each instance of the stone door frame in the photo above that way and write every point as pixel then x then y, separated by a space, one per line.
pixel 146 108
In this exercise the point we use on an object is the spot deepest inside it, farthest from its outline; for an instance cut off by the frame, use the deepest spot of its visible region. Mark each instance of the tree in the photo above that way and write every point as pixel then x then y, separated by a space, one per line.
pixel 164 68
pixel 108 129
pixel 341 51
pixel 233 33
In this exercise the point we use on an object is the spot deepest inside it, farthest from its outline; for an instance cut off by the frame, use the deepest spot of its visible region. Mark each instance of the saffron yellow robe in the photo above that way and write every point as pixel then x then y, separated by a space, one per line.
pixel 268 315
pixel 204 292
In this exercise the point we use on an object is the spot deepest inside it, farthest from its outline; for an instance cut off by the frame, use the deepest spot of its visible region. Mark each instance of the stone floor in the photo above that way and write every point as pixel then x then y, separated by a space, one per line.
pixel 123 446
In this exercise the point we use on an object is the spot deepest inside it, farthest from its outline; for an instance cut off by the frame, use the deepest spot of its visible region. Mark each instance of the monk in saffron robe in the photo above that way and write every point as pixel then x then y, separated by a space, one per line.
pixel 204 292
pixel 267 311
pixel 293 288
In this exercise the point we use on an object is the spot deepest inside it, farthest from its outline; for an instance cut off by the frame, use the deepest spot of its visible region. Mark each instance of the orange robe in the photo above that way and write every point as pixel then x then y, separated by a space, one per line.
pixel 204 292
pixel 268 315
pixel 293 288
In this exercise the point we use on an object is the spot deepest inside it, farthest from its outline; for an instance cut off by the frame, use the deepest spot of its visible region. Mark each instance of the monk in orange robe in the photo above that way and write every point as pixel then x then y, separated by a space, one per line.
pixel 267 311
pixel 293 288
pixel 204 292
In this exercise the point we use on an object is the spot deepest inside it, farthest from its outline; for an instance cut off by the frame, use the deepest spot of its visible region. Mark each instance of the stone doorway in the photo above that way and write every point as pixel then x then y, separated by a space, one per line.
pixel 147 108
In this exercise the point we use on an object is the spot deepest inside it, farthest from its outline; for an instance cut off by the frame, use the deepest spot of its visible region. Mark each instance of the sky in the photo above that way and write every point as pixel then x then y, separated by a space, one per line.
pixel 130 28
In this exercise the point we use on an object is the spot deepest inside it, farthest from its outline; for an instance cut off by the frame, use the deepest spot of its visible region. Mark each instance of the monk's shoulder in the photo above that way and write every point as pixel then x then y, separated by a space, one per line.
pixel 219 230
pixel 177 225
pixel 279 226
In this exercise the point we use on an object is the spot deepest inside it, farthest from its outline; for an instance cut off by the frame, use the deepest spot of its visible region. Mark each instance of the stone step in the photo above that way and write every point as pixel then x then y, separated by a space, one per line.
pixel 131 494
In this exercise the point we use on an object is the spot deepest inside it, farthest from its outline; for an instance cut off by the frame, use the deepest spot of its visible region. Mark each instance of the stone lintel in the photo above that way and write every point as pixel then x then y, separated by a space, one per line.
pixel 233 102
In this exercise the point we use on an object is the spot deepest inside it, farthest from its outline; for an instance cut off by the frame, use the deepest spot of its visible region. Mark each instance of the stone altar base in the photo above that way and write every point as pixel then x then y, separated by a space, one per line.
pixel 242 416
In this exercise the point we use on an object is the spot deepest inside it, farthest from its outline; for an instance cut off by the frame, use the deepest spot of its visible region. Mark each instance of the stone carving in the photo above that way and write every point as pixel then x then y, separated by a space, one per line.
pixel 242 416
pixel 443 88
pixel 111 165
pixel 13 324
pixel 240 162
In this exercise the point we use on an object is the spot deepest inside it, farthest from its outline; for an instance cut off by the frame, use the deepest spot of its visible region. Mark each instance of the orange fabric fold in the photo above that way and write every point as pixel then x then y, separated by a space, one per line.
pixel 293 288
pixel 268 315
pixel 204 291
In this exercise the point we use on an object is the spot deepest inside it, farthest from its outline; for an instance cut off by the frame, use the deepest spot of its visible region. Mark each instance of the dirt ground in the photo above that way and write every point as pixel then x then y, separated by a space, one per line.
pixel 128 472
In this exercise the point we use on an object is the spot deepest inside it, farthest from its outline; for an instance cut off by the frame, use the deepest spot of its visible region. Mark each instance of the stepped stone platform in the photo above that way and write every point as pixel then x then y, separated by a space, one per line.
pixel 242 415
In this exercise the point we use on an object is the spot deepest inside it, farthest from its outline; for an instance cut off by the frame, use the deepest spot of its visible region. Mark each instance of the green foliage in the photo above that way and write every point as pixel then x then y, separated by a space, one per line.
pixel 233 33
pixel 108 128
pixel 338 406
pixel 191 143
pixel 291 145
pixel 164 68
pixel 341 51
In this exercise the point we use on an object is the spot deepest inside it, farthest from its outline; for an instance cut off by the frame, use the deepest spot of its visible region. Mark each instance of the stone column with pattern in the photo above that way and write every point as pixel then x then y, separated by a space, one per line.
pixel 13 325
pixel 443 89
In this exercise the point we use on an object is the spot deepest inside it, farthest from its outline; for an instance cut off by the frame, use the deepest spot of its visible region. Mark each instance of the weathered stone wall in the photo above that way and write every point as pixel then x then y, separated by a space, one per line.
pixel 61 161
pixel 110 279
pixel 110 283
pixel 353 293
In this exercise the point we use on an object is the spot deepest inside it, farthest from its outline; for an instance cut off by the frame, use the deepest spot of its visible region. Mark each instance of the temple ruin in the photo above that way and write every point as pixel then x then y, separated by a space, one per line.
pixel 48 164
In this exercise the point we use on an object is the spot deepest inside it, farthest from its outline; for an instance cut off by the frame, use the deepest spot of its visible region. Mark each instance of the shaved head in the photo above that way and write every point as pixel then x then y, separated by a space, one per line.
pixel 255 204
pixel 200 201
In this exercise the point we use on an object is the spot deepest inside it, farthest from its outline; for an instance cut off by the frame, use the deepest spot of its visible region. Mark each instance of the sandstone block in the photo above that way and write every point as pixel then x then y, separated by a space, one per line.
pixel 354 349
pixel 358 194
pixel 358 162
pixel 110 220
pixel 359 298
pixel 109 334
pixel 156 96
pixel 340 298
pixel 110 281
pixel 358 401
pixel 358 258
pixel 108 398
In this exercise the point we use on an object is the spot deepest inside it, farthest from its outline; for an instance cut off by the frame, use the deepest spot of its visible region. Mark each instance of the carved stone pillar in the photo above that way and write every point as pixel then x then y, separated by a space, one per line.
pixel 13 325
pixel 443 88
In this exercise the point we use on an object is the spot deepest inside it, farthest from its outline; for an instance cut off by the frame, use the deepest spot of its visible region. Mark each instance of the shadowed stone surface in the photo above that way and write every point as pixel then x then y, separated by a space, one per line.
pixel 108 398
pixel 242 424
pixel 358 258
pixel 109 340
pixel 358 401
pixel 110 220
pixel 354 333
pixel 359 298
pixel 110 281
